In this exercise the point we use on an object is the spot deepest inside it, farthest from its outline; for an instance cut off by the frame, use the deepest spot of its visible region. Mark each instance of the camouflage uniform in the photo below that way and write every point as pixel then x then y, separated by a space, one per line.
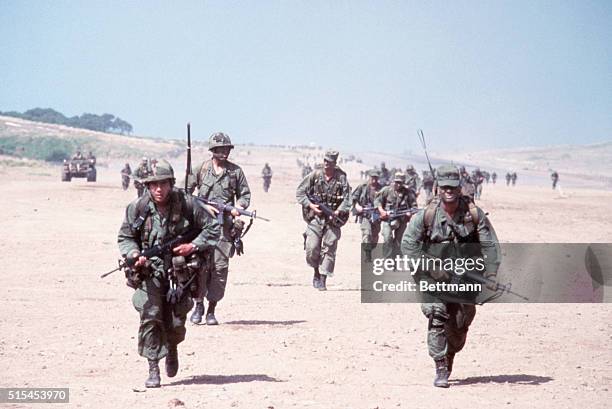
pixel 365 195
pixel 413 180
pixel 162 324
pixel 126 172
pixel 494 177
pixel 513 176
pixel 141 173
pixel 468 186
pixel 477 178
pixel 508 178
pixel 428 184
pixel 391 199
pixel 230 186
pixel 448 321
pixel 321 237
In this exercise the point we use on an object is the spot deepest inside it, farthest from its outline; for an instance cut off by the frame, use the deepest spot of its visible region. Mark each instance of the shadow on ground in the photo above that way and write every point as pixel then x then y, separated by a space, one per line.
pixel 519 379
pixel 224 379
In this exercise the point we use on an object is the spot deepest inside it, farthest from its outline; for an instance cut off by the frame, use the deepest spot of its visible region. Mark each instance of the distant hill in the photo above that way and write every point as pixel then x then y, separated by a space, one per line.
pixel 53 143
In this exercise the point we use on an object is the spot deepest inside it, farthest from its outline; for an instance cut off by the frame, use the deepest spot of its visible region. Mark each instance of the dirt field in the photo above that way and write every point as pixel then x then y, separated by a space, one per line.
pixel 282 344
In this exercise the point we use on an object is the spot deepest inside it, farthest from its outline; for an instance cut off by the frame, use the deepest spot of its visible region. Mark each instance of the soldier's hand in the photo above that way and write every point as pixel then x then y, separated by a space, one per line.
pixel 492 283
pixel 235 213
pixel 184 249
pixel 383 214
pixel 315 208
pixel 140 260
pixel 359 208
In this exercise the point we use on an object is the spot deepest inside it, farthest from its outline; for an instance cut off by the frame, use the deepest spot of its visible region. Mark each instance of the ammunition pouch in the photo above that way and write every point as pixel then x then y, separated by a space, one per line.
pixel 183 277
pixel 236 236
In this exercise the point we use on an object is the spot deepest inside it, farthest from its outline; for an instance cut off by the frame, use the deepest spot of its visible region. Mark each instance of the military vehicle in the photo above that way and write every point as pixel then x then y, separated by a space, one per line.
pixel 79 168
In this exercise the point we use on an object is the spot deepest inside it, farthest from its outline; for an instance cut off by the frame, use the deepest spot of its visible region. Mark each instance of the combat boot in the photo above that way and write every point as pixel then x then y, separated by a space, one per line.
pixel 172 362
pixel 210 314
pixel 450 359
pixel 198 311
pixel 316 279
pixel 323 280
pixel 441 380
pixel 154 380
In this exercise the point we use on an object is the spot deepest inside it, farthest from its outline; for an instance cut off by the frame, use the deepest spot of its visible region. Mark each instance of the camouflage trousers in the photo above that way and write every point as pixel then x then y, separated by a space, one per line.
pixel 161 324
pixel 369 232
pixel 392 235
pixel 321 245
pixel 212 279
pixel 448 327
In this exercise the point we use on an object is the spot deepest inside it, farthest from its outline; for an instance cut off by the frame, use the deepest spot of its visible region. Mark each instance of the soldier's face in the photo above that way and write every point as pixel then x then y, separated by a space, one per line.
pixel 221 153
pixel 397 185
pixel 373 180
pixel 328 165
pixel 450 194
pixel 160 191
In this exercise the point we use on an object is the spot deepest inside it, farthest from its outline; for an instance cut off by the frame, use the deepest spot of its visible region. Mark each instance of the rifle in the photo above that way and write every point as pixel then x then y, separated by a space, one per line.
pixel 500 289
pixel 155 251
pixel 395 214
pixel 188 170
pixel 227 208
pixel 337 220
pixel 367 211
pixel 433 173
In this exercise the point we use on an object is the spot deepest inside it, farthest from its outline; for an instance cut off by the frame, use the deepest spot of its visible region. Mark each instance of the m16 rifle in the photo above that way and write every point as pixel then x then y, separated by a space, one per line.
pixel 337 220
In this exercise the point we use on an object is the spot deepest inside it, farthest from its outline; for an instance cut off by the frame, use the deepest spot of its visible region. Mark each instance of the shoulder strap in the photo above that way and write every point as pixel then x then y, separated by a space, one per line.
pixel 474 213
pixel 430 212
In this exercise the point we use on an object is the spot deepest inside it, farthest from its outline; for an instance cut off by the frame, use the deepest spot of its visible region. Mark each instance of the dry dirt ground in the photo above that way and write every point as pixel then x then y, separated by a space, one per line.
pixel 282 344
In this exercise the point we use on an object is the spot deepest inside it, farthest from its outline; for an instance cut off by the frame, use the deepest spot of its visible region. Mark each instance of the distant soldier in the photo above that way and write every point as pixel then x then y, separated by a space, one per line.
pixel 363 204
pixel 78 156
pixel 435 233
pixel 555 179
pixel 266 174
pixel 162 214
pixel 221 181
pixel 508 178
pixel 487 176
pixel 153 164
pixel 513 177
pixel 478 179
pixel 494 177
pixel 413 180
pixel 468 186
pixel 394 198
pixel 329 186
pixel 126 172
pixel 142 172
pixel 306 169
pixel 428 184
pixel 385 175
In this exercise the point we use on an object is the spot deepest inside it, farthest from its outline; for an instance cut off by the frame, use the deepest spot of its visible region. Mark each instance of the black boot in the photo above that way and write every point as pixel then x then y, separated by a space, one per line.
pixel 441 380
pixel 198 311
pixel 316 279
pixel 172 362
pixel 450 359
pixel 210 314
pixel 154 380
pixel 323 281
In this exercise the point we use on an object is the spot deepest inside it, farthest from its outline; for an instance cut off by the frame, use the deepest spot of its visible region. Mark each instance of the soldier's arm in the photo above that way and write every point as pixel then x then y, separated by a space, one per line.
pixel 356 195
pixel 126 239
pixel 243 194
pixel 380 199
pixel 209 236
pixel 345 206
pixel 303 190
pixel 489 244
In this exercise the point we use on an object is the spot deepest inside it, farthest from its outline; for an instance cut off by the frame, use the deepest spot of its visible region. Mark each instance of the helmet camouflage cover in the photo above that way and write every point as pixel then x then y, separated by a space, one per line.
pixel 218 140
pixel 162 171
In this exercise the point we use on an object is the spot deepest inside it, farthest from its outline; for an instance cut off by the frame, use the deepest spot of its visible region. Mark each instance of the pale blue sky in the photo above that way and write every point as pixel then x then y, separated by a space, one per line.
pixel 358 74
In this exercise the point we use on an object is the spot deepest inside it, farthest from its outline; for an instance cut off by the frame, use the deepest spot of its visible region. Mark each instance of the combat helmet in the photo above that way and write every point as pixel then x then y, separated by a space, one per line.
pixel 162 171
pixel 218 140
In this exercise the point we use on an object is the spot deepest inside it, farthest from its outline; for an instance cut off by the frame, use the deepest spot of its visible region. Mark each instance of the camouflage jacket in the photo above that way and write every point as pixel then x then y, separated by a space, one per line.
pixel 266 172
pixel 418 238
pixel 336 193
pixel 389 199
pixel 413 181
pixel 365 194
pixel 229 187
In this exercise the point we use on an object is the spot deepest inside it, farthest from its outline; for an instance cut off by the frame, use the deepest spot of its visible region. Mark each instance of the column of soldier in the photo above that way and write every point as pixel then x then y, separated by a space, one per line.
pixel 176 246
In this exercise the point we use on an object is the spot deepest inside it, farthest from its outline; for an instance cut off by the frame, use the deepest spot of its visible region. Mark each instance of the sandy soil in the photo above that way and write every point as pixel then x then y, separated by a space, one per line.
pixel 282 344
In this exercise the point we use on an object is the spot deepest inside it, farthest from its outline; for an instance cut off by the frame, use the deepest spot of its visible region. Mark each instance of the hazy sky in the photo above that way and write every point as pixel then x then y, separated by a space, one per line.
pixel 358 74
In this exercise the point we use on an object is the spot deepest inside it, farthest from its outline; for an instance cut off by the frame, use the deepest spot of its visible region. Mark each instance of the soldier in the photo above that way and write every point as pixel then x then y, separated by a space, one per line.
pixel 394 198
pixel 91 158
pixel 162 214
pixel 385 176
pixel 477 178
pixel 330 186
pixel 555 179
pixel 222 181
pixel 126 172
pixel 508 178
pixel 266 174
pixel 451 220
pixel 413 180
pixel 78 156
pixel 363 197
pixel 513 177
pixel 468 186
pixel 142 172
pixel 306 169
pixel 428 184
pixel 494 177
